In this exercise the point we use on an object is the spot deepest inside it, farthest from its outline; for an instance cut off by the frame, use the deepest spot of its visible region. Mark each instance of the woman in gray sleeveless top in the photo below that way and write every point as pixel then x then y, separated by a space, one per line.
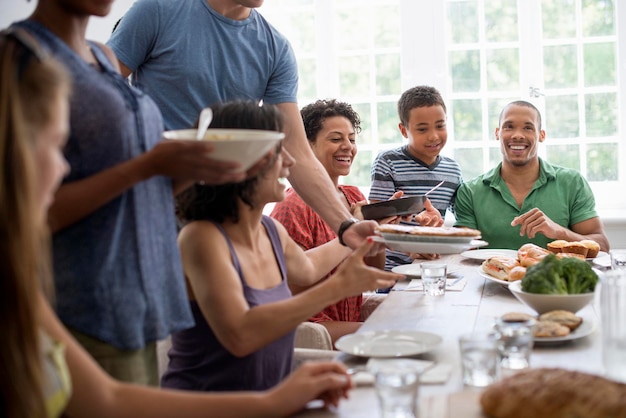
pixel 237 262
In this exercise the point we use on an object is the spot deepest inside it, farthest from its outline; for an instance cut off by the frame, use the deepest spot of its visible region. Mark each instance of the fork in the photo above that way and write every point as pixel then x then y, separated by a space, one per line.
pixel 434 188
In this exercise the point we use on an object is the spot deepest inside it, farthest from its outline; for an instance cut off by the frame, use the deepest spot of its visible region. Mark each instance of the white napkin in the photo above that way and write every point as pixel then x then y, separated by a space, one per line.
pixel 434 373
pixel 416 284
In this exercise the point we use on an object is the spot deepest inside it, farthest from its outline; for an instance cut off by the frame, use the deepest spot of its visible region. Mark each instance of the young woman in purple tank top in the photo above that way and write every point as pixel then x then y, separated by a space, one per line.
pixel 237 261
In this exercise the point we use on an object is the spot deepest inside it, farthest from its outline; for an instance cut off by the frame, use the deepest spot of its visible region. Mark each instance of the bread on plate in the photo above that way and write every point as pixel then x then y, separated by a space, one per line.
pixel 499 266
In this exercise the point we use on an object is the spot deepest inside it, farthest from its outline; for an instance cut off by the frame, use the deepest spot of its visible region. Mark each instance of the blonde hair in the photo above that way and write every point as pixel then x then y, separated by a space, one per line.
pixel 29 86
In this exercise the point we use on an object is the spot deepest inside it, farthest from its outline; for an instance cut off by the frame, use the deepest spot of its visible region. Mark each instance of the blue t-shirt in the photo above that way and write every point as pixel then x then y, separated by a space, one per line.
pixel 186 56
pixel 117 272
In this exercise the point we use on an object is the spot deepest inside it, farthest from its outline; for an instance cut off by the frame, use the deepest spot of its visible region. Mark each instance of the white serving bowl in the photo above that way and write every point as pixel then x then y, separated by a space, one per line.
pixel 545 303
pixel 246 146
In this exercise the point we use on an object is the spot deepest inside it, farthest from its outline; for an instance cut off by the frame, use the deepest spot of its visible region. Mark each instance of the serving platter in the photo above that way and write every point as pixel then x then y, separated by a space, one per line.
pixel 489 252
pixel 419 246
pixel 390 343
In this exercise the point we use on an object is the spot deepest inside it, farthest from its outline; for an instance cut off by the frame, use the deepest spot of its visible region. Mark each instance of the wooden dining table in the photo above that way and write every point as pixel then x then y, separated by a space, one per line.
pixel 457 312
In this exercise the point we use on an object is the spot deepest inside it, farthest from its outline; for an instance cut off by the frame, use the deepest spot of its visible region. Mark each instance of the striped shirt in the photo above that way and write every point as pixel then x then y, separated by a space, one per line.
pixel 397 169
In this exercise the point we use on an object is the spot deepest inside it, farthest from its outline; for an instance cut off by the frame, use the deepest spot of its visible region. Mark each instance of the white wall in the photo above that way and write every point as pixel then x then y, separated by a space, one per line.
pixel 99 28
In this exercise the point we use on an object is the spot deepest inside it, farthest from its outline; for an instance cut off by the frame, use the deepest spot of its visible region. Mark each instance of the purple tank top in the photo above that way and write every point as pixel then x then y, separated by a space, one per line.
pixel 199 362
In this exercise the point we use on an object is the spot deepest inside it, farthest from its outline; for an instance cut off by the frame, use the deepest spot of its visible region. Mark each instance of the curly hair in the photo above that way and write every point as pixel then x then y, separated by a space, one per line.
pixel 419 96
pixel 220 202
pixel 314 114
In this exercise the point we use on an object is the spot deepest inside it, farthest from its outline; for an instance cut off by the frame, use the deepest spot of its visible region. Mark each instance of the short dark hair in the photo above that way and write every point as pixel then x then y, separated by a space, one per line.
pixel 314 114
pixel 522 103
pixel 219 202
pixel 418 96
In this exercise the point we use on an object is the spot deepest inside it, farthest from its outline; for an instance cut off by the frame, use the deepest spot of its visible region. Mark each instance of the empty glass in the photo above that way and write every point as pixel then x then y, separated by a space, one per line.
pixel 397 388
pixel 613 319
pixel 515 342
pixel 434 275
pixel 479 358
pixel 618 259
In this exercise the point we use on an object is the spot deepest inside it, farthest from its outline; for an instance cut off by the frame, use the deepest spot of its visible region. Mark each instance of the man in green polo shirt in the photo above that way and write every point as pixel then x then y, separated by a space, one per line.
pixel 525 199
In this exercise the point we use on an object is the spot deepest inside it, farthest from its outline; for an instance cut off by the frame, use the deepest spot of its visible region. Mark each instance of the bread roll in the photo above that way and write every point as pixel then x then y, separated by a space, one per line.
pixel 557 246
pixel 554 393
pixel 565 255
pixel 576 248
pixel 565 318
pixel 499 267
pixel 593 248
pixel 517 273
pixel 530 254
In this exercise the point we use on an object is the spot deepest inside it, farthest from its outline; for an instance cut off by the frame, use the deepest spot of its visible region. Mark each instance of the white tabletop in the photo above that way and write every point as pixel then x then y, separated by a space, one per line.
pixel 473 308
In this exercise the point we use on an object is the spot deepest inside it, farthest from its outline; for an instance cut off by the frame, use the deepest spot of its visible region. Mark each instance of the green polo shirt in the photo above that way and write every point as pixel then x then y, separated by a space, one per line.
pixel 486 203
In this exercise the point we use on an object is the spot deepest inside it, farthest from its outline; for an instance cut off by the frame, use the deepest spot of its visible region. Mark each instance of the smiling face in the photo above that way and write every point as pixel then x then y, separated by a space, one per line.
pixel 271 184
pixel 426 131
pixel 335 146
pixel 519 134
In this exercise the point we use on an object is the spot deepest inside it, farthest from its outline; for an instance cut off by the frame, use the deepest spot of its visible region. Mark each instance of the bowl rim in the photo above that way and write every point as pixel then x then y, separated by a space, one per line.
pixel 516 286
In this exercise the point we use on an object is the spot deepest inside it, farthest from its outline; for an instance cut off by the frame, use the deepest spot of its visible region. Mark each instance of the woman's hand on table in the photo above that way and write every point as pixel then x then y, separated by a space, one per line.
pixel 327 381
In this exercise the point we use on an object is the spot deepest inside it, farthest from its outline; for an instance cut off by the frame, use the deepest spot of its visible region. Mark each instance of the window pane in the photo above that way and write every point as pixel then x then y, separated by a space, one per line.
pixel 561 117
pixel 495 106
pixel 501 21
pixel 388 132
pixel 470 160
pixel 467 115
pixel 366 135
pixel 503 69
pixel 354 76
pixel 465 67
pixel 495 156
pixel 598 17
pixel 387 74
pixel 306 77
pixel 387 26
pixel 560 69
pixel 601 114
pixel 302 26
pixel 350 23
pixel 564 155
pixel 602 162
pixel 600 64
pixel 360 170
pixel 459 15
pixel 557 17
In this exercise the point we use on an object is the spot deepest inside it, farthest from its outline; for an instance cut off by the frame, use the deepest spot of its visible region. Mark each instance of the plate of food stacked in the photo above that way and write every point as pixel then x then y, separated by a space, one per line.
pixel 429 240
pixel 505 266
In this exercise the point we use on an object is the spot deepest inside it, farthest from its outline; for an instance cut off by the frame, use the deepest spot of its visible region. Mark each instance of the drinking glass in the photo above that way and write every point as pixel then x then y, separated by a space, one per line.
pixel 515 342
pixel 479 358
pixel 397 388
pixel 434 275
pixel 618 259
pixel 613 320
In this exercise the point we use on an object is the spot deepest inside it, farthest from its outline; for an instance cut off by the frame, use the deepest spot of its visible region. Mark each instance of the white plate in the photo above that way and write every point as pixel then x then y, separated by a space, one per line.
pixel 603 260
pixel 414 269
pixel 491 278
pixel 586 328
pixel 427 238
pixel 429 247
pixel 489 252
pixel 388 343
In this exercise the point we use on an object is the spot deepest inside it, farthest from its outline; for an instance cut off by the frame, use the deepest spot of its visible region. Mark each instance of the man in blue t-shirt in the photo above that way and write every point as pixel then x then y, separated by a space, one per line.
pixel 190 54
